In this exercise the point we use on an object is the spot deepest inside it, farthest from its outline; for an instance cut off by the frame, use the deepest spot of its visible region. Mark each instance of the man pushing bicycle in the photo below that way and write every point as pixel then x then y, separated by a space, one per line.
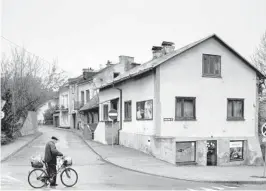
pixel 50 158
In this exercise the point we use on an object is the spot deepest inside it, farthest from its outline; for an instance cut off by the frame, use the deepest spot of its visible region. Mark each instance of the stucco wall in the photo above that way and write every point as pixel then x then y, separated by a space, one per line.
pixel 99 134
pixel 182 76
pixel 139 90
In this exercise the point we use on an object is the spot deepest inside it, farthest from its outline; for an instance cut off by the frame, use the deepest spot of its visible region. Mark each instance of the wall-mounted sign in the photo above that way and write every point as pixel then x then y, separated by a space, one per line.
pixel 168 119
pixel 236 144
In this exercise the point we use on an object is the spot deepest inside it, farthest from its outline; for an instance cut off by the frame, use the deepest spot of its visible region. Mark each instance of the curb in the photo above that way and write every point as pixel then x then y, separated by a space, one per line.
pixel 22 147
pixel 174 178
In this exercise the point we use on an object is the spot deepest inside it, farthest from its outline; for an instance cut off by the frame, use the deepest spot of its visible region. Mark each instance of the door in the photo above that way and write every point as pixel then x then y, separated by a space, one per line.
pixel 211 153
pixel 74 120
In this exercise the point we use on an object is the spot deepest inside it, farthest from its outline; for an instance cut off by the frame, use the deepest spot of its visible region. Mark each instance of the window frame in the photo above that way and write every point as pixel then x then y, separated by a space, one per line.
pixel 105 115
pixel 212 75
pixel 243 112
pixel 126 118
pixel 87 98
pixel 241 159
pixel 182 118
pixel 144 108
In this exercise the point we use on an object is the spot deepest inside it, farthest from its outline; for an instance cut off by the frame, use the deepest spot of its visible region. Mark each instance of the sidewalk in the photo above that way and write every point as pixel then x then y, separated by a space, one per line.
pixel 10 149
pixel 135 160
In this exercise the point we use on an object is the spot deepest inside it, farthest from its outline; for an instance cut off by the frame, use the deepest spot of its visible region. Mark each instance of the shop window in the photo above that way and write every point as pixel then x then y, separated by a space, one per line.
pixel 186 151
pixel 236 150
pixel 144 110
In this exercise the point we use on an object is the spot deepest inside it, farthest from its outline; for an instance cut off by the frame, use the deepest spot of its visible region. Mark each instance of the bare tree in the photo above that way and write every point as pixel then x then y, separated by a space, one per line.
pixel 259 59
pixel 26 82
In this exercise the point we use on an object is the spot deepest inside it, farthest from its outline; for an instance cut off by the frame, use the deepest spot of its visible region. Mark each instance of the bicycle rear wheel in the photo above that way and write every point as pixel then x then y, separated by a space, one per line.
pixel 37 178
pixel 69 177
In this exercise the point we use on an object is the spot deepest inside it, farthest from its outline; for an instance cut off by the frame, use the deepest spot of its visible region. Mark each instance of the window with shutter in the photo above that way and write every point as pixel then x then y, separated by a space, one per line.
pixel 211 65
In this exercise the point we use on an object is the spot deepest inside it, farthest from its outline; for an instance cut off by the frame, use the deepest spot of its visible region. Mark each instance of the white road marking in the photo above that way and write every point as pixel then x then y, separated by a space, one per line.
pixel 206 189
pixel 191 189
pixel 218 188
pixel 229 186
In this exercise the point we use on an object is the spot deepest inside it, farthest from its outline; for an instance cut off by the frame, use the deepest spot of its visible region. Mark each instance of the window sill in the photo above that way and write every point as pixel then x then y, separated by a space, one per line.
pixel 127 120
pixel 235 119
pixel 211 76
pixel 144 119
pixel 185 119
pixel 236 160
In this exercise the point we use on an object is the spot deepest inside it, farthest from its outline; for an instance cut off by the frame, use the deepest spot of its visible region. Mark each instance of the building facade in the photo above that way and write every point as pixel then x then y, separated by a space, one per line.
pixel 196 105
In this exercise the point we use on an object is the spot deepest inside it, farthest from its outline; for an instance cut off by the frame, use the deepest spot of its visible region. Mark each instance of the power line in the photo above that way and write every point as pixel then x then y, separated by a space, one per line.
pixel 25 49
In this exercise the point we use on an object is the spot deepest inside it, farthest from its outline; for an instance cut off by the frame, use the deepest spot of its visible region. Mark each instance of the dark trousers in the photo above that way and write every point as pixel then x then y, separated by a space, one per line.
pixel 52 173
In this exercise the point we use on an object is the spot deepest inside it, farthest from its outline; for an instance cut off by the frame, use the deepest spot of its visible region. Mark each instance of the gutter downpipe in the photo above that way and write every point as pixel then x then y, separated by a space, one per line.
pixel 120 108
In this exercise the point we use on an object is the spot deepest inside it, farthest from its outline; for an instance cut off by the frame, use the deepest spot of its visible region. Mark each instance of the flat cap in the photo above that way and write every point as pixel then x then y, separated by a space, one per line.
pixel 54 138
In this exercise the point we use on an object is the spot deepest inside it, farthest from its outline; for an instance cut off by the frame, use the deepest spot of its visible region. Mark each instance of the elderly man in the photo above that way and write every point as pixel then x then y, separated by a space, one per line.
pixel 50 158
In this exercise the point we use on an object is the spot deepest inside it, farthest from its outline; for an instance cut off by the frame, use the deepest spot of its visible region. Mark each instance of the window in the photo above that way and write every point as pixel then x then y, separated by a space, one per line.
pixel 87 96
pixel 211 65
pixel 105 112
pixel 82 98
pixel 127 111
pixel 73 89
pixel 186 151
pixel 144 110
pixel 236 150
pixel 185 108
pixel 116 74
pixel 235 109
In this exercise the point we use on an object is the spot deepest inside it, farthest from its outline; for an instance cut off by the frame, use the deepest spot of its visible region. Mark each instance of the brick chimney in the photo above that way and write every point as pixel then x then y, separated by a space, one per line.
pixel 127 61
pixel 157 51
pixel 168 47
pixel 87 73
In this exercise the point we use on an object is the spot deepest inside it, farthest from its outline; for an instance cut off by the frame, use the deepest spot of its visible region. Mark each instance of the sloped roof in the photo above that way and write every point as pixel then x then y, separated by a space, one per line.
pixel 93 103
pixel 156 62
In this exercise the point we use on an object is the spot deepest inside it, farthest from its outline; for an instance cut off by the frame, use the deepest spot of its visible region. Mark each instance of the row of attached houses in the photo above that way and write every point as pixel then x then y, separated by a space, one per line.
pixel 194 105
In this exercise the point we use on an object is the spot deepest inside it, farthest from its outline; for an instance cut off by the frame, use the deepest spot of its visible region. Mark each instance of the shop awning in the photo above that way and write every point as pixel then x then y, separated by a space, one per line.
pixel 93 103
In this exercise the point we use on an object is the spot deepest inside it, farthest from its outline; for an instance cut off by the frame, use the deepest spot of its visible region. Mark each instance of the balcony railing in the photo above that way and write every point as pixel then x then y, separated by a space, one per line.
pixel 78 105
pixel 63 107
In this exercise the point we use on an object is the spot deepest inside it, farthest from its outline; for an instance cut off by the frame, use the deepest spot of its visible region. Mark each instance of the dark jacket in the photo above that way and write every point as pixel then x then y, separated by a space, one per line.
pixel 51 153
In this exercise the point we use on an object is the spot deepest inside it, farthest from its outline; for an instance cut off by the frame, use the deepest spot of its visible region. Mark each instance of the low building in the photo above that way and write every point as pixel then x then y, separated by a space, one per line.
pixel 43 108
pixel 194 105
pixel 64 115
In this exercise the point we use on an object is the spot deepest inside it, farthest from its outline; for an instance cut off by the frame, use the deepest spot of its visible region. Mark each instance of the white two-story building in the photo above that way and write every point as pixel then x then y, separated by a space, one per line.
pixel 197 104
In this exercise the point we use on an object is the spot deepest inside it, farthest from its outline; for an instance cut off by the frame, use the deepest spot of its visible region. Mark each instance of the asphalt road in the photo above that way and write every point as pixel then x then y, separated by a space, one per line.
pixel 94 174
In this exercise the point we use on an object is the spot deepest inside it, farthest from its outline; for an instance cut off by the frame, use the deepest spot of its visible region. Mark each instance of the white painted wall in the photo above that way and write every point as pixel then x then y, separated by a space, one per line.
pixel 139 90
pixel 99 134
pixel 182 76
pixel 64 119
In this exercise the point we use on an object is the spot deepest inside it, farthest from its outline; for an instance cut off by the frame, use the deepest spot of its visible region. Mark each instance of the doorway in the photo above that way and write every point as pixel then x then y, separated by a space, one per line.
pixel 74 120
pixel 211 153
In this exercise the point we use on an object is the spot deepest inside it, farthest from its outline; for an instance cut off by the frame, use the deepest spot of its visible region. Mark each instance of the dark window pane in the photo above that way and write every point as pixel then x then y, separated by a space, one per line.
pixel 188 108
pixel 230 108
pixel 178 108
pixel 238 109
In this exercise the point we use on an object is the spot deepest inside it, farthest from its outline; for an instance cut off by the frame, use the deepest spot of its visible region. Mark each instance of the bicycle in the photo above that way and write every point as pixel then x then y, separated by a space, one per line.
pixel 44 179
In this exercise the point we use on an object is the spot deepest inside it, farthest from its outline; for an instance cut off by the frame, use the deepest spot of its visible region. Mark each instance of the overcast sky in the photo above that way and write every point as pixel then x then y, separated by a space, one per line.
pixel 86 33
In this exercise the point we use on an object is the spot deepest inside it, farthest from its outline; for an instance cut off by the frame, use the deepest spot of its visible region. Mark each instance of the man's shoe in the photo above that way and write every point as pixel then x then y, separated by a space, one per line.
pixel 53 184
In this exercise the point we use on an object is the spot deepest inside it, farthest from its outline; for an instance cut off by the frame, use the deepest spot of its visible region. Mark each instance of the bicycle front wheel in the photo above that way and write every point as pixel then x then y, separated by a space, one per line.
pixel 69 177
pixel 37 178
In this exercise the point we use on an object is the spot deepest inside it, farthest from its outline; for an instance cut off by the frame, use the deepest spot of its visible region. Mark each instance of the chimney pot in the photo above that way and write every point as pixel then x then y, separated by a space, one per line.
pixel 157 51
pixel 168 47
